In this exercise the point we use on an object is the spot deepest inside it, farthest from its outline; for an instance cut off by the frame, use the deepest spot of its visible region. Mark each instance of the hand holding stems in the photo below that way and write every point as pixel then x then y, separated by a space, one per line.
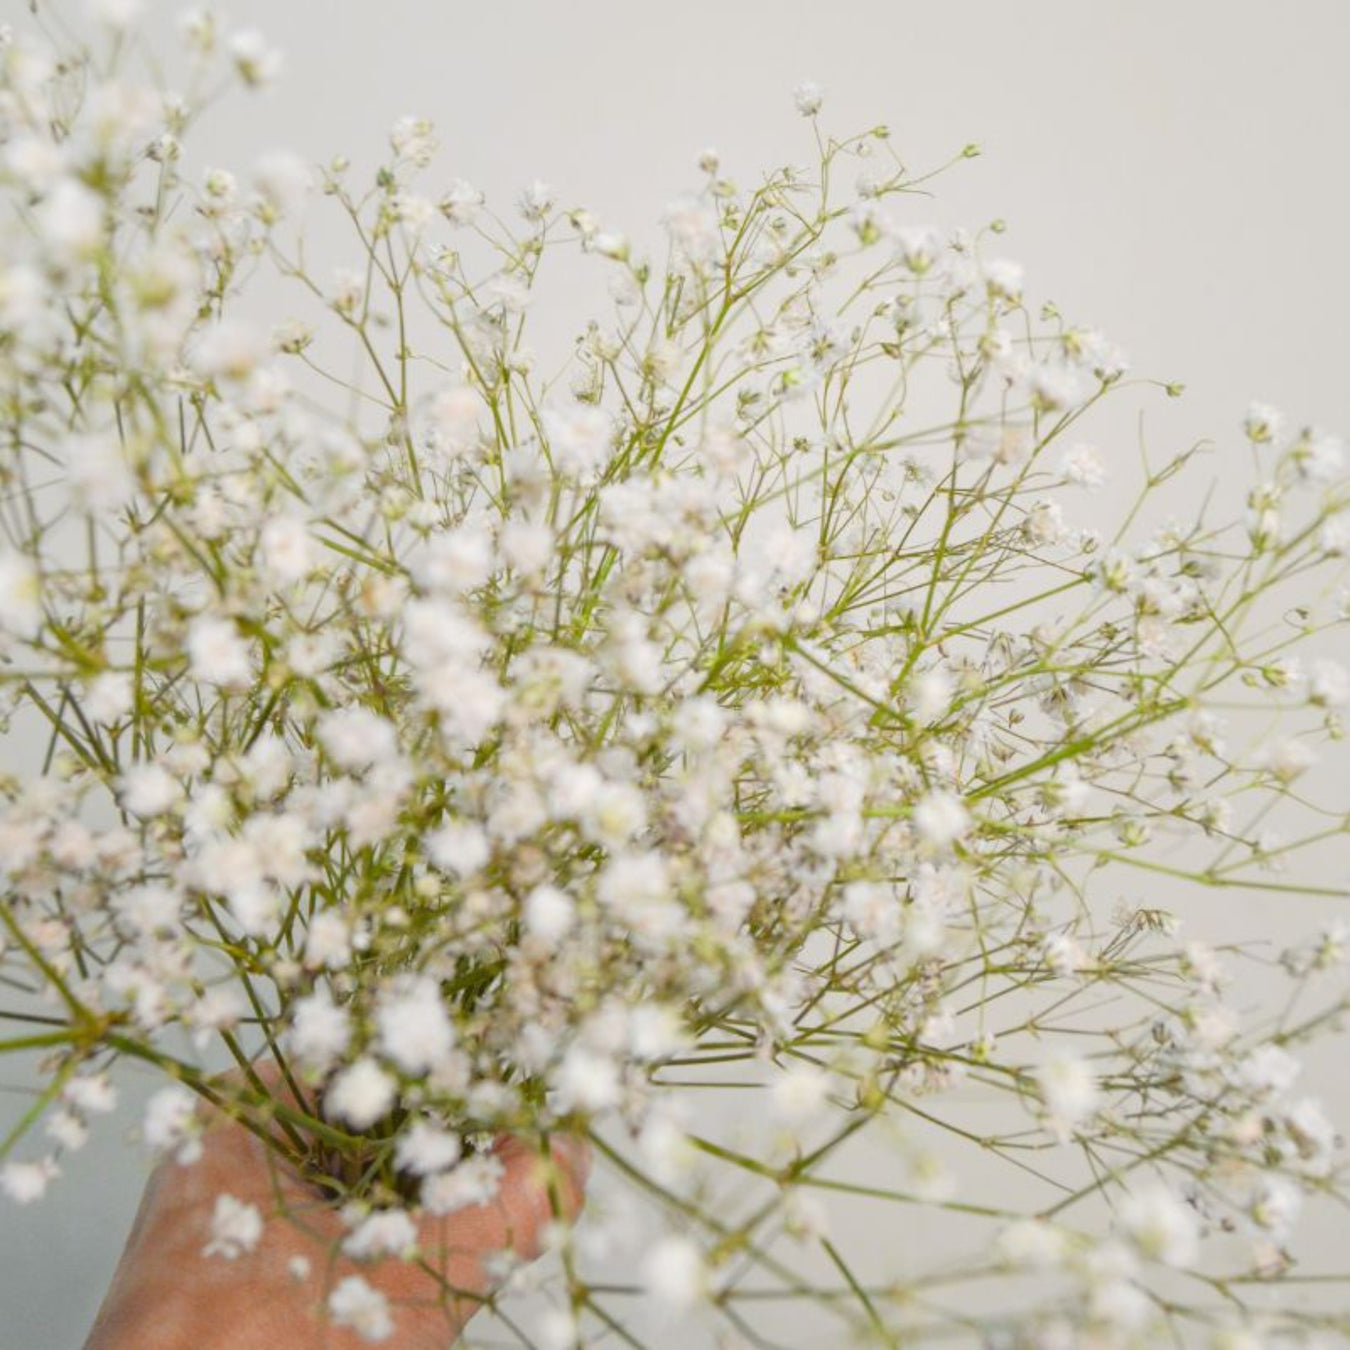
pixel 167 1295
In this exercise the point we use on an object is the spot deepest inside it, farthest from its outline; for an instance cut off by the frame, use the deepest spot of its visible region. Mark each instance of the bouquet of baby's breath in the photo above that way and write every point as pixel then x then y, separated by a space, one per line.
pixel 728 747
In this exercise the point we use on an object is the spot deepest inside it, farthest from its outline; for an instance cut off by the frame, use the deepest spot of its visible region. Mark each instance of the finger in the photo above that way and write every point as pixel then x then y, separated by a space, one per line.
pixel 574 1156
pixel 255 1094
pixel 534 1190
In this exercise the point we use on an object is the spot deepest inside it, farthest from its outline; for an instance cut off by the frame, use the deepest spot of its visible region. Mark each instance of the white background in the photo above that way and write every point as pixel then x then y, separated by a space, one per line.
pixel 1172 171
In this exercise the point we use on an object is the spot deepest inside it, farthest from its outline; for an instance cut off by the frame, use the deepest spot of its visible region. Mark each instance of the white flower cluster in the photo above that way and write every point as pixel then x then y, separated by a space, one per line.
pixel 499 758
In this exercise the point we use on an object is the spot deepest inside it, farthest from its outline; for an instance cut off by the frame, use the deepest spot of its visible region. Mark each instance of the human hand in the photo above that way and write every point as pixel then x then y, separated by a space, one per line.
pixel 167 1295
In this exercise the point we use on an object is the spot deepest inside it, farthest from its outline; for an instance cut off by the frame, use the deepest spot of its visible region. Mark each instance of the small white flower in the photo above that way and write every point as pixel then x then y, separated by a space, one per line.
pixel 413 140
pixel 23 296
pixel 288 548
pixel 423 1149
pixel 24 1183
pixel 526 547
pixel 666 1150
pixel 220 187
pixel 387 1232
pixel 1264 522
pixel 457 561
pixel 320 1031
pixel 1334 538
pixel 328 943
pixel 71 221
pixel 536 201
pixel 72 845
pixel 674 1272
pixel 1043 523
pixel 808 97
pixel 454 415
pixel 145 910
pixel 1052 388
pixel 218 1009
pixel 1070 1091
pixel 254 59
pixel 236 1228
pixel 149 790
pixel 470 702
pixel 557 1329
pixel 930 694
pixel 357 737
pixel 170 1124
pixel 1004 278
pixel 805 1216
pixel 355 1304
pixel 91 1093
pixel 799 1092
pixel 461 202
pixel 615 814
pixel 414 1029
pixel 282 180
pixel 918 247
pixel 609 244
pixel 1262 423
pixel 310 654
pixel 578 437
pixel 693 228
pixel 1083 465
pixel 98 472
pixel 470 1183
pixel 68 1130
pixel 587 1081
pixel 1161 1226
pixel 108 697
pixel 1284 759
pixel 1318 457
pixel 941 818
pixel 217 654
pixel 872 911
pixel 412 210
pixel 458 848
pixel 230 350
pixel 117 14
pixel 655 1031
pixel 1119 1304
pixel 254 905
pixel 361 1094
pixel 548 914
pixel 1329 684
pixel 1032 1243
pixel 20 595
pixel 1313 1135
pixel 1276 1206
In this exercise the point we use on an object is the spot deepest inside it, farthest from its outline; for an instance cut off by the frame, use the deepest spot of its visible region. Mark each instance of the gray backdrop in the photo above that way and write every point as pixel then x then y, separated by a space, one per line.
pixel 1173 173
